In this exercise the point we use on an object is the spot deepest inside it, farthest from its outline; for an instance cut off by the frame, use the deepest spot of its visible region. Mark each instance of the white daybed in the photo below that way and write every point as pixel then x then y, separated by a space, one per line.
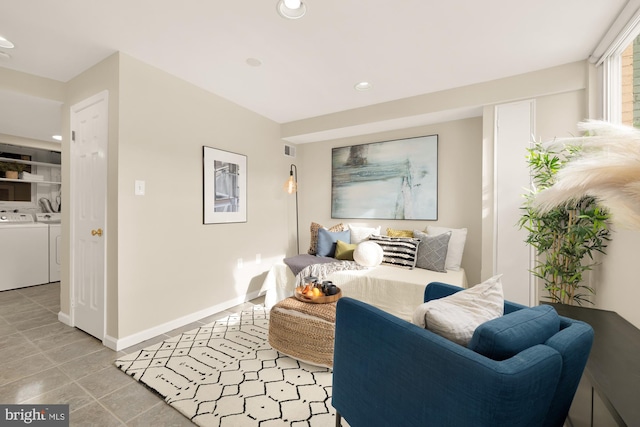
pixel 396 290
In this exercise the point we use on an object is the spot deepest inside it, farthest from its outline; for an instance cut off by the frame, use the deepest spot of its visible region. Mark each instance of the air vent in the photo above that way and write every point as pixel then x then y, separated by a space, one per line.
pixel 289 150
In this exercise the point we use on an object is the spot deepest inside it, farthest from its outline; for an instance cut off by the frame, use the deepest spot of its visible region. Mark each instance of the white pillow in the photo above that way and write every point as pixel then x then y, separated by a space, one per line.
pixel 360 234
pixel 456 245
pixel 457 316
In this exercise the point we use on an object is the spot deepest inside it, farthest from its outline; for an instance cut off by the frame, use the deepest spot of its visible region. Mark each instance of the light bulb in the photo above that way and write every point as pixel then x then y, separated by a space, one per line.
pixel 290 186
pixel 292 4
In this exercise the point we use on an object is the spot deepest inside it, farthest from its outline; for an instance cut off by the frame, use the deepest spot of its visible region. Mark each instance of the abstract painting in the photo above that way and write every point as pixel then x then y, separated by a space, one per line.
pixel 386 180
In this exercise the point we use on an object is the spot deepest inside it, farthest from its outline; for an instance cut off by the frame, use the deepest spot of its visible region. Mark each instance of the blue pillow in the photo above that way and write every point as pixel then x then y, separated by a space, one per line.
pixel 506 336
pixel 327 241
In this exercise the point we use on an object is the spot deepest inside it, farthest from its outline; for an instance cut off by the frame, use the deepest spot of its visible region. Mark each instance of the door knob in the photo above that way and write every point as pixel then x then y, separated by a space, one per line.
pixel 97 232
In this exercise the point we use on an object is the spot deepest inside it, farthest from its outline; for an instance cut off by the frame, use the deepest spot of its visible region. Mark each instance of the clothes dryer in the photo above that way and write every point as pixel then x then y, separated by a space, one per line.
pixel 53 221
pixel 24 251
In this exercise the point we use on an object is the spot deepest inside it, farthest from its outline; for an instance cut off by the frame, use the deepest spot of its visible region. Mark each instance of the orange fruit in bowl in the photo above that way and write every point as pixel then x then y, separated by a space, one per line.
pixel 316 292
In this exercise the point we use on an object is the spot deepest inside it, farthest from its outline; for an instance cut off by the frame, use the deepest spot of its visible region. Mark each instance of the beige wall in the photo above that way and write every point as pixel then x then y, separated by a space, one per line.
pixel 459 184
pixel 163 263
pixel 169 264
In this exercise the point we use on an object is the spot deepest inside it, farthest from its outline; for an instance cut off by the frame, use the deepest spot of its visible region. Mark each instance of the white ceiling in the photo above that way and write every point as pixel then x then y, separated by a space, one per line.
pixel 308 66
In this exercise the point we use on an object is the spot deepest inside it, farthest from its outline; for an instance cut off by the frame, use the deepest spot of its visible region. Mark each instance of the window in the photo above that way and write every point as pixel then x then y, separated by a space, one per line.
pixel 630 84
pixel 617 59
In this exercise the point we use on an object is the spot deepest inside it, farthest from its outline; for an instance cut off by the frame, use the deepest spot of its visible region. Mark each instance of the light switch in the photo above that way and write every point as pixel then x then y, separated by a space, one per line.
pixel 139 188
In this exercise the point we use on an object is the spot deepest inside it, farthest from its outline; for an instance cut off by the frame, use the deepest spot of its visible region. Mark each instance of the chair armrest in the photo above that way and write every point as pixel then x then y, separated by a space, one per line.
pixel 386 369
pixel 574 343
pixel 437 290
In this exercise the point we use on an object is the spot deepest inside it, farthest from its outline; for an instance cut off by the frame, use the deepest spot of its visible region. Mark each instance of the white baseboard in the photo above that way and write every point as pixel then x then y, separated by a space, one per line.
pixel 110 342
pixel 64 318
pixel 118 344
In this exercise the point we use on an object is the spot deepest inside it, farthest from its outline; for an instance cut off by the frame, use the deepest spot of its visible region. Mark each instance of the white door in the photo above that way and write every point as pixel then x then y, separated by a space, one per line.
pixel 514 129
pixel 89 121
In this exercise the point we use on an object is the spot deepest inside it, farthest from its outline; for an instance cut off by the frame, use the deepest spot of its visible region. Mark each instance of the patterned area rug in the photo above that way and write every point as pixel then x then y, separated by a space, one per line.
pixel 227 374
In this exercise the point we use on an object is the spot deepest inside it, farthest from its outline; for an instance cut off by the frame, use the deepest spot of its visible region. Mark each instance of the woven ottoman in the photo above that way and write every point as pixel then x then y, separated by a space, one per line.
pixel 304 331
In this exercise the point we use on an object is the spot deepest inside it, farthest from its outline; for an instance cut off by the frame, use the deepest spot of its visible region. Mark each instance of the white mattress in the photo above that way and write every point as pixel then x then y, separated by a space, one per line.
pixel 396 290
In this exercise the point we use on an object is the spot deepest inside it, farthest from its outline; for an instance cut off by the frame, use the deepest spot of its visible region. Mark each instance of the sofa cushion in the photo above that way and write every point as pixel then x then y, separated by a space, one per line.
pixel 327 241
pixel 456 245
pixel 313 245
pixel 392 232
pixel 344 250
pixel 398 251
pixel 432 251
pixel 457 316
pixel 502 338
pixel 361 233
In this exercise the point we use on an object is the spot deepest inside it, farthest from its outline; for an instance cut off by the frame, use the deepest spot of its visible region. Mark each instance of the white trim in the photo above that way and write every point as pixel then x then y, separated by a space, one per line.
pixel 532 294
pixel 622 31
pixel 612 89
pixel 64 318
pixel 118 344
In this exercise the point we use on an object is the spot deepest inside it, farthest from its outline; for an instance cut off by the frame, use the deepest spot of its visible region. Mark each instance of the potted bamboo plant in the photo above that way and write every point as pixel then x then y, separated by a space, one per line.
pixel 567 236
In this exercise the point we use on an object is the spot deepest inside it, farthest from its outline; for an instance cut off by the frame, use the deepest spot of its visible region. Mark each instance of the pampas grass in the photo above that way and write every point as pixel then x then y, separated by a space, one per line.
pixel 607 168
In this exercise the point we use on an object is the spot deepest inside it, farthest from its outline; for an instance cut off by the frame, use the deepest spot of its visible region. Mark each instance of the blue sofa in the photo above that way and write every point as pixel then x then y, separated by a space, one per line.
pixel 521 369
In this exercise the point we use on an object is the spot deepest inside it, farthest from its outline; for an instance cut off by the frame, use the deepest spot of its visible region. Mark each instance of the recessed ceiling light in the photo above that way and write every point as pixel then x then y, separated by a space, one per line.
pixel 254 62
pixel 57 137
pixel 291 9
pixel 4 55
pixel 362 86
pixel 6 44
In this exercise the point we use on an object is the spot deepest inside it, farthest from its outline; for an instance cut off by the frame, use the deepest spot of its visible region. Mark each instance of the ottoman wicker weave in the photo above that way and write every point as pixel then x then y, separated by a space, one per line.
pixel 304 331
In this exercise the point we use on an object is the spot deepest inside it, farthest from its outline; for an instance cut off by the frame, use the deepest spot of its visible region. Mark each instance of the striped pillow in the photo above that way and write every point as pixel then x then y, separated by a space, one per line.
pixel 398 251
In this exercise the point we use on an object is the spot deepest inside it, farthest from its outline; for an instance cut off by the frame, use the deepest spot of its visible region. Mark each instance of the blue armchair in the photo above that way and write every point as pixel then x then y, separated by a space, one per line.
pixel 523 370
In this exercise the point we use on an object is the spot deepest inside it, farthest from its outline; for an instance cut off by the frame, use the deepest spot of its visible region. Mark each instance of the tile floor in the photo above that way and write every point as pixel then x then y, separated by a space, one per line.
pixel 44 361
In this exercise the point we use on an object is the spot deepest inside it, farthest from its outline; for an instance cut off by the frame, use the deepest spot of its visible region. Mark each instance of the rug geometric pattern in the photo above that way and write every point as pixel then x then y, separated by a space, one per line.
pixel 226 374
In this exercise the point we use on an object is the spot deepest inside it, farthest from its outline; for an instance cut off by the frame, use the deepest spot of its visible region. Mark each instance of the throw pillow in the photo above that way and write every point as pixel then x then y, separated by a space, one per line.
pixel 360 234
pixel 327 241
pixel 456 245
pixel 399 233
pixel 432 251
pixel 457 316
pixel 344 251
pixel 368 254
pixel 504 337
pixel 314 235
pixel 398 251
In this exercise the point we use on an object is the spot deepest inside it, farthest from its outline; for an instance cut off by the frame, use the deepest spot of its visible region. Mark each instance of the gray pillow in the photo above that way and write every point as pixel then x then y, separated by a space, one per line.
pixel 432 251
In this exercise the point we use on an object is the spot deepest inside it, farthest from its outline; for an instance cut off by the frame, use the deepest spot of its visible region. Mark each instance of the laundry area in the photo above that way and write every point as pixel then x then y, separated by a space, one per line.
pixel 30 218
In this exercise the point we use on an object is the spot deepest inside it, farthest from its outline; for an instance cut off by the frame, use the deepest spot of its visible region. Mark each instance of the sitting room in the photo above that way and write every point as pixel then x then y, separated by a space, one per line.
pixel 251 196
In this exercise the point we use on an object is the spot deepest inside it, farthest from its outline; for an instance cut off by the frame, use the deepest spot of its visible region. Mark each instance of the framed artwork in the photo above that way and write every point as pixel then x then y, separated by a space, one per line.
pixel 386 180
pixel 225 186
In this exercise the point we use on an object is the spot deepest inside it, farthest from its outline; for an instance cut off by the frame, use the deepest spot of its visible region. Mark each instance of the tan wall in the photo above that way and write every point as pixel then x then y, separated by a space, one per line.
pixel 459 184
pixel 169 264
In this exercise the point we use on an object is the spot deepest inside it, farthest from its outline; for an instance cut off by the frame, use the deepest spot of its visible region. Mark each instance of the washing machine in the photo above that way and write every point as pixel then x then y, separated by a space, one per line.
pixel 53 220
pixel 24 251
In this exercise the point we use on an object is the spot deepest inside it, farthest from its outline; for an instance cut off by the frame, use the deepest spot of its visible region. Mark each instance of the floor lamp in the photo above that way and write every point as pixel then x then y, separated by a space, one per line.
pixel 291 186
